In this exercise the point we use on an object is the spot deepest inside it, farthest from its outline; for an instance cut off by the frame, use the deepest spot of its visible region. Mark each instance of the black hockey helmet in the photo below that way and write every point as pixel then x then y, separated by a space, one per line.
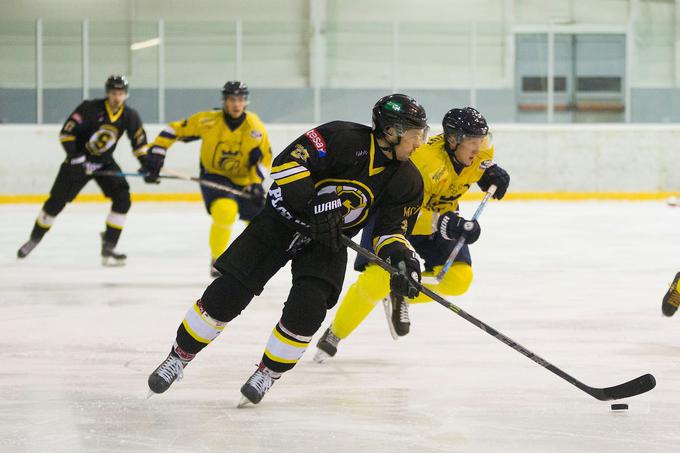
pixel 462 123
pixel 235 88
pixel 399 111
pixel 117 82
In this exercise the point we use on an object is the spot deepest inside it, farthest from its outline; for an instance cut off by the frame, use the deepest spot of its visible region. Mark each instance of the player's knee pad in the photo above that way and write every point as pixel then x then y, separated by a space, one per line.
pixel 225 298
pixel 457 280
pixel 53 206
pixel 223 212
pixel 121 202
pixel 306 306
pixel 373 283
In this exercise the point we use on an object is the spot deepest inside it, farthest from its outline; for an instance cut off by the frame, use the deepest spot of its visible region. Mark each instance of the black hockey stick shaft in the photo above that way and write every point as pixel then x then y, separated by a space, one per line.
pixel 200 181
pixel 633 387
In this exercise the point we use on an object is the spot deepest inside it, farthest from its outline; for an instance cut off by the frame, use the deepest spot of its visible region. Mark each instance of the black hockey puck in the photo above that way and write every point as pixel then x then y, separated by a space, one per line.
pixel 619 407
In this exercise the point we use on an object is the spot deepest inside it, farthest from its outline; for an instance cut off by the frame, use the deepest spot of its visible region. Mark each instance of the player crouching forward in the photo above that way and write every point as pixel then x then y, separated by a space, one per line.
pixel 326 183
pixel 235 152
pixel 449 164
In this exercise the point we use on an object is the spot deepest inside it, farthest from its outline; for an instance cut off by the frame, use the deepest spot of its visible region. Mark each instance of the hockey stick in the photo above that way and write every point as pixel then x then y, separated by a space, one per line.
pixel 121 174
pixel 461 240
pixel 180 176
pixel 633 387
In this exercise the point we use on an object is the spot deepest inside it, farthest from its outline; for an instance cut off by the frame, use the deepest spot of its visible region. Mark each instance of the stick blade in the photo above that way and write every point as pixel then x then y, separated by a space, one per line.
pixel 633 387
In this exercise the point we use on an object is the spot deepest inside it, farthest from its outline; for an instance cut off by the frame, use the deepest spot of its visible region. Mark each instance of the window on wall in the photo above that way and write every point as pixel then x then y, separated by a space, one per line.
pixel 588 82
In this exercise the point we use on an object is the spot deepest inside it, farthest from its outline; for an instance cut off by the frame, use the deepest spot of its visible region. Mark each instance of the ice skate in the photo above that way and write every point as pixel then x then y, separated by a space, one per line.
pixel 396 310
pixel 171 370
pixel 111 258
pixel 326 347
pixel 257 385
pixel 671 300
pixel 27 248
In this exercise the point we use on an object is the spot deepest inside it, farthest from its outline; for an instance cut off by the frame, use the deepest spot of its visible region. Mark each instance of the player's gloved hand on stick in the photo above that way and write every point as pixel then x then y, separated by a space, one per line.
pixel 152 162
pixel 497 176
pixel 451 226
pixel 76 168
pixel 405 282
pixel 256 192
pixel 326 219
pixel 254 157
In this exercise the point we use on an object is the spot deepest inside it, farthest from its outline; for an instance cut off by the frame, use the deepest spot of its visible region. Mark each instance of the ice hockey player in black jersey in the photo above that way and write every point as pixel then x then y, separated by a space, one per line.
pixel 326 183
pixel 89 137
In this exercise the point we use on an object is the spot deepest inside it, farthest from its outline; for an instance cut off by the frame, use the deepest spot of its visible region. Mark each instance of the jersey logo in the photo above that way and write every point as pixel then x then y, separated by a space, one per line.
pixel 102 140
pixel 76 117
pixel 300 153
pixel 256 134
pixel 410 210
pixel 229 160
pixel 356 199
pixel 318 141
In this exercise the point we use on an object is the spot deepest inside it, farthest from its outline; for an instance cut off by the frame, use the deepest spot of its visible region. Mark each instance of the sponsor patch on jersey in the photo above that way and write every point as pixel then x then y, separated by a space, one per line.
pixel 318 141
pixel 76 117
pixel 486 164
pixel 256 134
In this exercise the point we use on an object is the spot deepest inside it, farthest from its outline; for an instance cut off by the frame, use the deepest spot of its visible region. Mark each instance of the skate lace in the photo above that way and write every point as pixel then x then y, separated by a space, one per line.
pixel 403 311
pixel 332 339
pixel 171 368
pixel 260 381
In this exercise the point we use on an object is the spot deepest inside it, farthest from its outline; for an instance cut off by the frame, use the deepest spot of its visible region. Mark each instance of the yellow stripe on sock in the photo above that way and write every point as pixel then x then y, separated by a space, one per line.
pixel 193 334
pixel 282 339
pixel 279 359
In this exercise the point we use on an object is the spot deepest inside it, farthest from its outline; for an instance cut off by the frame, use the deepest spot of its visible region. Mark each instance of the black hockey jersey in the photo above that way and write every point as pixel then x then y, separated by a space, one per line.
pixel 93 130
pixel 345 158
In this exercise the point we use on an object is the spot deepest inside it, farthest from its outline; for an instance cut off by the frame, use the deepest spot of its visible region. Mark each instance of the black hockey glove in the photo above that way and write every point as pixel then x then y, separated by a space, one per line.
pixel 326 219
pixel 254 157
pixel 152 162
pixel 76 168
pixel 256 192
pixel 406 282
pixel 495 175
pixel 451 226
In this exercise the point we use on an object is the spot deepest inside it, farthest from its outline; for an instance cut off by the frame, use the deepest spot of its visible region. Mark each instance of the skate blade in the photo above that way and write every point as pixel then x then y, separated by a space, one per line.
pixel 108 262
pixel 243 402
pixel 150 394
pixel 388 315
pixel 321 356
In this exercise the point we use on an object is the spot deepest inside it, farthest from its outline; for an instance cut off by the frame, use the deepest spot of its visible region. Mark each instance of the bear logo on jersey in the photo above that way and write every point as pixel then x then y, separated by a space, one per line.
pixel 356 198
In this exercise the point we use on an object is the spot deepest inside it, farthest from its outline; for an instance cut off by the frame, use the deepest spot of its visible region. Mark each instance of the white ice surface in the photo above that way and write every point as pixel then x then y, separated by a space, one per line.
pixel 578 283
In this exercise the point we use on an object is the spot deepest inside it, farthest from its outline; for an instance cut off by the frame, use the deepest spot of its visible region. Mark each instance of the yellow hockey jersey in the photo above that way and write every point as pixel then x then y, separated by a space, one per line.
pixel 443 186
pixel 223 151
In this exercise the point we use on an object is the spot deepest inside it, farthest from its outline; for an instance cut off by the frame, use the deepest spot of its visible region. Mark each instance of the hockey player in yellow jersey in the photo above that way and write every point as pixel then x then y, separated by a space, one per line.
pixel 235 152
pixel 449 164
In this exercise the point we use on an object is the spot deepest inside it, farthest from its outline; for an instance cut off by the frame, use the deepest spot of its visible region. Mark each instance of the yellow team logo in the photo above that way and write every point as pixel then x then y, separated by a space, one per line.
pixel 227 160
pixel 102 140
pixel 356 198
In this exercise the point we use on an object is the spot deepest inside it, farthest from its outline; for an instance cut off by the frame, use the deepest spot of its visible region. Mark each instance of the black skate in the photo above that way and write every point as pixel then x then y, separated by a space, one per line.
pixel 171 370
pixel 111 258
pixel 214 272
pixel 671 300
pixel 27 248
pixel 257 385
pixel 396 310
pixel 326 347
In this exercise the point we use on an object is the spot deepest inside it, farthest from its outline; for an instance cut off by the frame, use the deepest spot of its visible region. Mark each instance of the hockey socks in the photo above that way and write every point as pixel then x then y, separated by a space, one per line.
pixel 671 300
pixel 223 212
pixel 198 330
pixel 284 349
